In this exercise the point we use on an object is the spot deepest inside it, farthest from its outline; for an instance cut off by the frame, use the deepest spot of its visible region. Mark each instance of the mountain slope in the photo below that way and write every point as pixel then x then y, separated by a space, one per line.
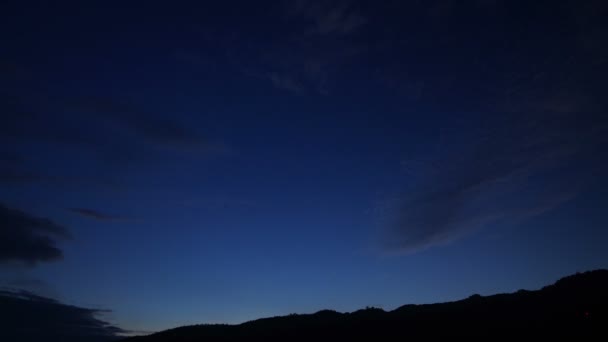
pixel 575 307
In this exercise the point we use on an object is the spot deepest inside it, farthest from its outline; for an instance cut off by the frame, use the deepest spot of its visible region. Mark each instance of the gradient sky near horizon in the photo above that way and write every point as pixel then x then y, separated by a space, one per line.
pixel 219 162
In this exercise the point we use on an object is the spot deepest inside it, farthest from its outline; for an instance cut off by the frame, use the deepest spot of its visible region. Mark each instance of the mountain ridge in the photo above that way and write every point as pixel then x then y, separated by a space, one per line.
pixel 575 305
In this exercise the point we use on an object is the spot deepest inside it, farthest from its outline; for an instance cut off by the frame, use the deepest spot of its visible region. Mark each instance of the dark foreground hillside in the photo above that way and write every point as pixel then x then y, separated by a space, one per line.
pixel 574 307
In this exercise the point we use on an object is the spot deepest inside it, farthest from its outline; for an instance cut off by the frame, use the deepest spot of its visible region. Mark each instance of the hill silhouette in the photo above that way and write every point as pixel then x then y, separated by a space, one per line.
pixel 574 307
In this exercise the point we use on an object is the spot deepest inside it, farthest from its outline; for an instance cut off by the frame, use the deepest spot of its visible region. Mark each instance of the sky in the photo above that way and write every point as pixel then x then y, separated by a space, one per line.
pixel 171 164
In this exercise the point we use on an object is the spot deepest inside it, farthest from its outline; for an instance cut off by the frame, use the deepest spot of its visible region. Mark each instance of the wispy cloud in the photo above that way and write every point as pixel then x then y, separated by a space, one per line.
pixel 511 170
pixel 317 41
pixel 523 140
pixel 283 81
pixel 327 17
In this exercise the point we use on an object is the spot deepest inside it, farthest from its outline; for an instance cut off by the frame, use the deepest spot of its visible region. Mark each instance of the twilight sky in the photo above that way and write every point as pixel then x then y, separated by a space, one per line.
pixel 179 164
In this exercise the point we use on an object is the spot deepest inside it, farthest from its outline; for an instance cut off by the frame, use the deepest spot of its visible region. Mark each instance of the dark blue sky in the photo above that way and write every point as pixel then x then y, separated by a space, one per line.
pixel 180 164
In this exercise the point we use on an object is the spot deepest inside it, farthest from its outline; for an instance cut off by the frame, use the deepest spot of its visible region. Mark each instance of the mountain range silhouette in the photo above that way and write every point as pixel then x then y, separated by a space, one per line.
pixel 575 307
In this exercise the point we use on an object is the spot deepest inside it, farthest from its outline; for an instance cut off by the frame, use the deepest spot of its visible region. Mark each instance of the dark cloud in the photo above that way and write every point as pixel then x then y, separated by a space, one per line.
pixel 97 117
pixel 94 214
pixel 22 173
pixel 34 117
pixel 108 128
pixel 27 238
pixel 13 170
pixel 17 175
pixel 28 317
pixel 95 129
pixel 10 70
pixel 10 158
pixel 13 278
pixel 150 127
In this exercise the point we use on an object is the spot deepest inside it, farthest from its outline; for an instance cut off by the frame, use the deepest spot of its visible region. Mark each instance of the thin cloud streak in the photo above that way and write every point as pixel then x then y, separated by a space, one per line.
pixel 96 215
pixel 510 172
